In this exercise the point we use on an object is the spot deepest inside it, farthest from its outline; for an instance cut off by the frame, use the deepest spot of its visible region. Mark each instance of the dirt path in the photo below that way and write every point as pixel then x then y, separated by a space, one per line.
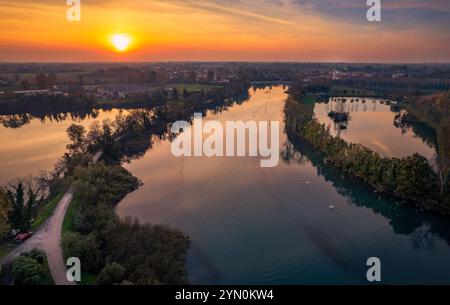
pixel 48 239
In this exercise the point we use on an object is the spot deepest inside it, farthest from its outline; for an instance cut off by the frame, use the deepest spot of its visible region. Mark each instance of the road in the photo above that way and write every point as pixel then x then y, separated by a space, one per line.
pixel 48 238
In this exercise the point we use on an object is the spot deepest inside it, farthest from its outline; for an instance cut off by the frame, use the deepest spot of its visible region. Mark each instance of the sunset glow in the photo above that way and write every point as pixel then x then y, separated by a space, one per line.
pixel 177 30
pixel 121 42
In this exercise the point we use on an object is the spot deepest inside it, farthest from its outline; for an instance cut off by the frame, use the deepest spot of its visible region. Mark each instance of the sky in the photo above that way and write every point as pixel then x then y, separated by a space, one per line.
pixel 226 30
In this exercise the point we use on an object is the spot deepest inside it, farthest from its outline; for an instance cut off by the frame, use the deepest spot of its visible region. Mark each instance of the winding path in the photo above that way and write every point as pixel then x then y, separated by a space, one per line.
pixel 48 238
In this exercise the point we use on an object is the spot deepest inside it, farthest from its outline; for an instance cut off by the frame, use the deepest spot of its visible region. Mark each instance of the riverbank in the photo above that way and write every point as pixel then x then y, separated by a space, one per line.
pixel 443 139
pixel 410 178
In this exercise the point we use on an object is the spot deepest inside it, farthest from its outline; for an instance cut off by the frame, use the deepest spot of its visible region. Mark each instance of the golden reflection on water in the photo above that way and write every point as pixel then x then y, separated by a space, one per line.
pixel 38 145
pixel 372 125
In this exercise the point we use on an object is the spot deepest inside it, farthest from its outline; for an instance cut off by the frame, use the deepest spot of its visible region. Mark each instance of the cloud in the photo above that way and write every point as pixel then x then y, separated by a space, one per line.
pixel 265 29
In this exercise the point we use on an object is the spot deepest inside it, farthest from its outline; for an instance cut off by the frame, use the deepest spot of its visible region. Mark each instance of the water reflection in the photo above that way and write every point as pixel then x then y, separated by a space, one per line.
pixel 32 143
pixel 19 120
pixel 253 225
pixel 420 226
pixel 371 123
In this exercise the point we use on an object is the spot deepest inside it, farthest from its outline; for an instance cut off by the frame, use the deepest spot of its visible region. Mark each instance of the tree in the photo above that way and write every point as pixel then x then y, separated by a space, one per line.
pixel 185 93
pixel 86 248
pixel 4 209
pixel 20 214
pixel 28 271
pixel 25 85
pixel 77 135
pixel 52 79
pixel 111 274
pixel 23 198
pixel 210 76
pixel 42 81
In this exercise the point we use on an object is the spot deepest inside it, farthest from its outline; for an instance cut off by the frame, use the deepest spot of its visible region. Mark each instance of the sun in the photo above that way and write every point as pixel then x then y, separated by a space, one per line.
pixel 121 41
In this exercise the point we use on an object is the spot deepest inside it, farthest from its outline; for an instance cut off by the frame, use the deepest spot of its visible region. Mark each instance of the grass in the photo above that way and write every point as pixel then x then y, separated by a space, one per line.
pixel 191 87
pixel 48 278
pixel 68 225
pixel 31 76
pixel 87 278
pixel 45 212
pixel 3 250
pixel 115 103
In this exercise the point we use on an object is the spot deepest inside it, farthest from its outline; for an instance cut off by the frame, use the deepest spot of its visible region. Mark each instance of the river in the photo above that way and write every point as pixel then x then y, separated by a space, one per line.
pixel 253 225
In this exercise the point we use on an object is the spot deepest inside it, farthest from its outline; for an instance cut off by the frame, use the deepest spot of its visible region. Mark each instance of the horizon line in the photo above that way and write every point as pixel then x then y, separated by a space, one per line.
pixel 231 61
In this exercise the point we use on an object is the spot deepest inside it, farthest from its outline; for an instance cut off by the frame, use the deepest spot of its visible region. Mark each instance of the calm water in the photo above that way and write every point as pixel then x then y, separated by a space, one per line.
pixel 253 225
pixel 266 225
pixel 39 144
pixel 371 123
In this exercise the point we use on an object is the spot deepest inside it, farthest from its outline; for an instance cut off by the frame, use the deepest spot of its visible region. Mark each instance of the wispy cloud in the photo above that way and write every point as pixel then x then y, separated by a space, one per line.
pixel 411 30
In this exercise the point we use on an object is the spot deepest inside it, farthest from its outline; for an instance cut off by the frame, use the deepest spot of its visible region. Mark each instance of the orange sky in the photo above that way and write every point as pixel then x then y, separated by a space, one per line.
pixel 283 30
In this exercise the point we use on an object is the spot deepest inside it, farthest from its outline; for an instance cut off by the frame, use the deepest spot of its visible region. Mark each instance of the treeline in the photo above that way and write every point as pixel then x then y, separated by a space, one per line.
pixel 410 178
pixel 115 251
pixel 44 103
pixel 389 84
pixel 404 220
pixel 434 110
pixel 77 101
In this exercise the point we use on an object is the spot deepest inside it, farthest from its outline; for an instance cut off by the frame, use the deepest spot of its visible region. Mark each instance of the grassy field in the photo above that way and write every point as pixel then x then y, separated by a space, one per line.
pixel 114 103
pixel 191 87
pixel 31 77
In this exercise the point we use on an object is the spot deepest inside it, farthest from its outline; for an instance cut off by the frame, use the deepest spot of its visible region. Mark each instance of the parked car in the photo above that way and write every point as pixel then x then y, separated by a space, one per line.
pixel 20 238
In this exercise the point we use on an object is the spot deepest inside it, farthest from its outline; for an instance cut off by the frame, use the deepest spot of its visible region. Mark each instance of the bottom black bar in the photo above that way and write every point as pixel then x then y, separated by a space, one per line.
pixel 218 294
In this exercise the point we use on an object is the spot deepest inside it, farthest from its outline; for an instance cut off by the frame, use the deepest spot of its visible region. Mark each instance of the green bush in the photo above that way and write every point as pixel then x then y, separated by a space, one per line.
pixel 111 274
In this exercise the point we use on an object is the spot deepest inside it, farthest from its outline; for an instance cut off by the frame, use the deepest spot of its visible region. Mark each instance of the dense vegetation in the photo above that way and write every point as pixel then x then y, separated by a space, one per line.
pixel 123 251
pixel 43 103
pixel 28 269
pixel 410 178
pixel 120 251
pixel 434 110
pixel 111 250
pixel 18 107
pixel 25 203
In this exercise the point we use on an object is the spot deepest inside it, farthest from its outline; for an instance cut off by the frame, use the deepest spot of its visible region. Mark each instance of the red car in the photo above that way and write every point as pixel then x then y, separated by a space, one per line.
pixel 20 238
